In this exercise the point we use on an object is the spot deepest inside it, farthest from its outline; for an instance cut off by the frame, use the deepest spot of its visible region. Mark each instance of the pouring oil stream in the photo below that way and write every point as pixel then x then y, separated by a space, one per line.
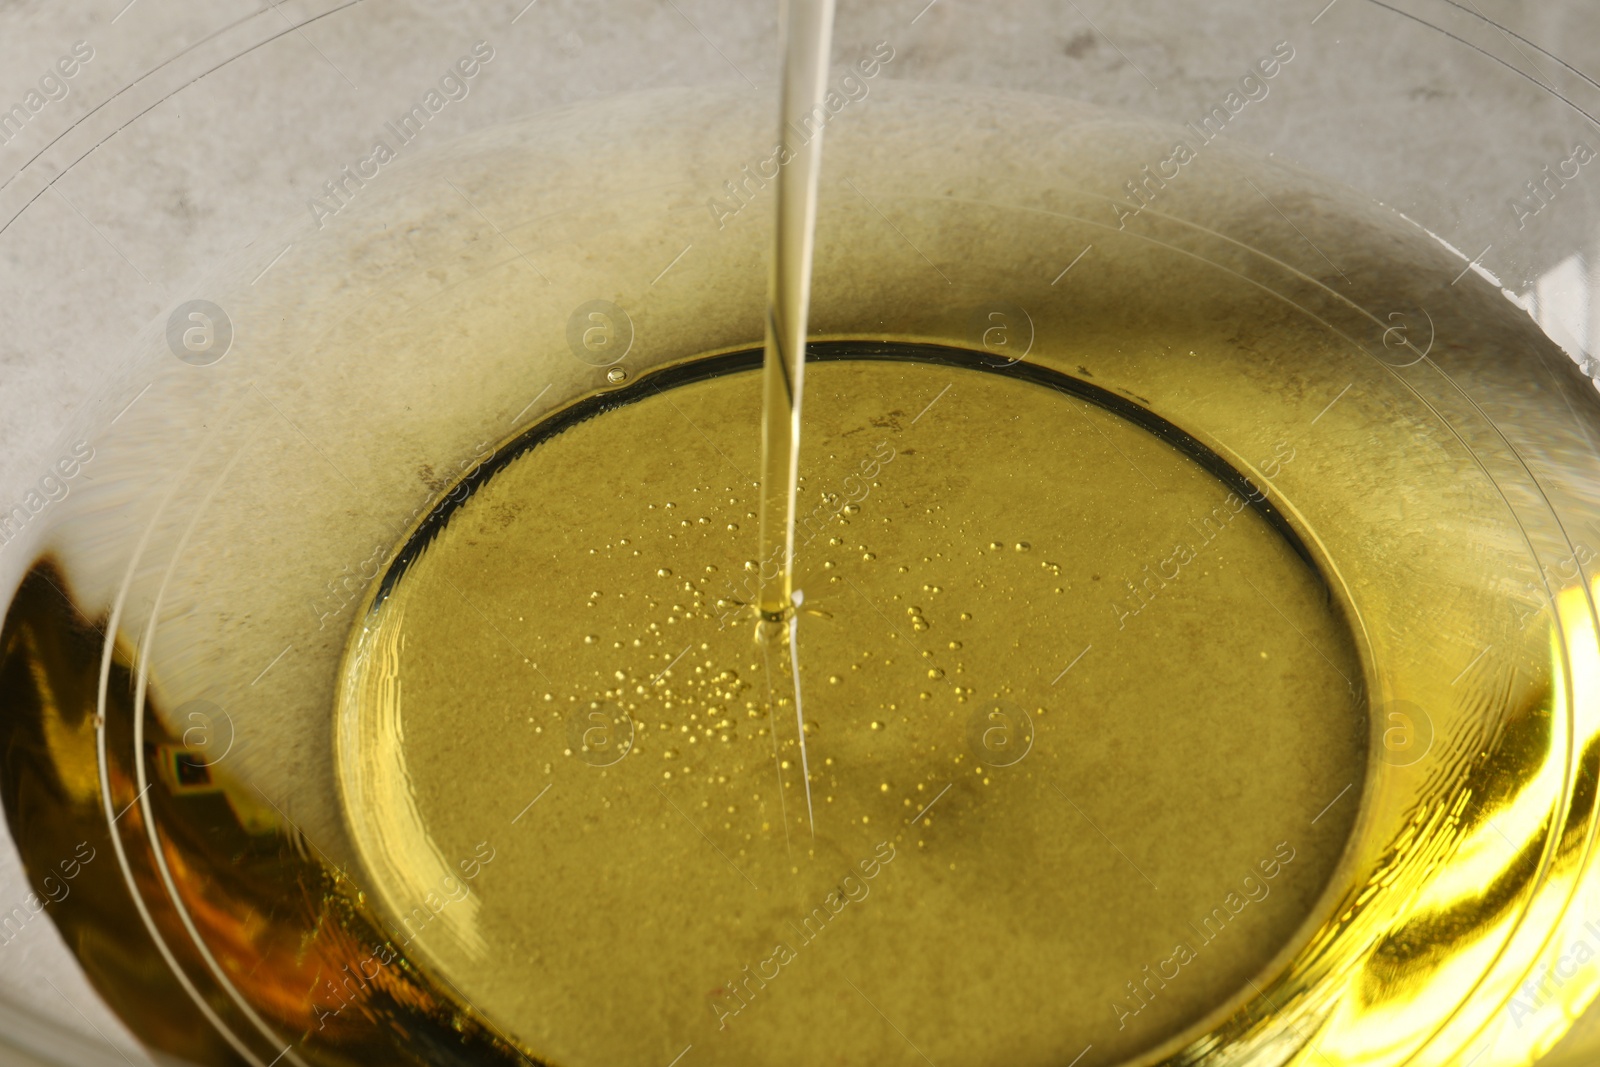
pixel 807 29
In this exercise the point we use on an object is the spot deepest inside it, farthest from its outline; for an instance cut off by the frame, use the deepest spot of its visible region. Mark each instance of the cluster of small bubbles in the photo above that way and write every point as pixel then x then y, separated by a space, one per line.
pixel 919 622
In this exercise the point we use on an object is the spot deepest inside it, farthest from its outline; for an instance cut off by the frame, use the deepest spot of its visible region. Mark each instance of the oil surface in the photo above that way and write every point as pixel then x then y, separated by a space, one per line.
pixel 559 674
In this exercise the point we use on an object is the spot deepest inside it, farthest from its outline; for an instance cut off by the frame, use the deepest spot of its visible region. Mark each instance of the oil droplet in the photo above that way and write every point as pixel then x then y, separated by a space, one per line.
pixel 876 725
pixel 664 572
pixel 1022 546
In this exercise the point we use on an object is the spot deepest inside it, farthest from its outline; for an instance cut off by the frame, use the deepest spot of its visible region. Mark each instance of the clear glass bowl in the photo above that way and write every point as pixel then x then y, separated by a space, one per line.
pixel 249 351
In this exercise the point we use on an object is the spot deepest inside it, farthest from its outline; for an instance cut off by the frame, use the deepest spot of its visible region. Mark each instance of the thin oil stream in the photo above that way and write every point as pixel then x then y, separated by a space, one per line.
pixel 807 27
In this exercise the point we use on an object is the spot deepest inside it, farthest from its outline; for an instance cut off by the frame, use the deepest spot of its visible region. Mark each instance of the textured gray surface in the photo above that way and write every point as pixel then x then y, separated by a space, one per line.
pixel 197 128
